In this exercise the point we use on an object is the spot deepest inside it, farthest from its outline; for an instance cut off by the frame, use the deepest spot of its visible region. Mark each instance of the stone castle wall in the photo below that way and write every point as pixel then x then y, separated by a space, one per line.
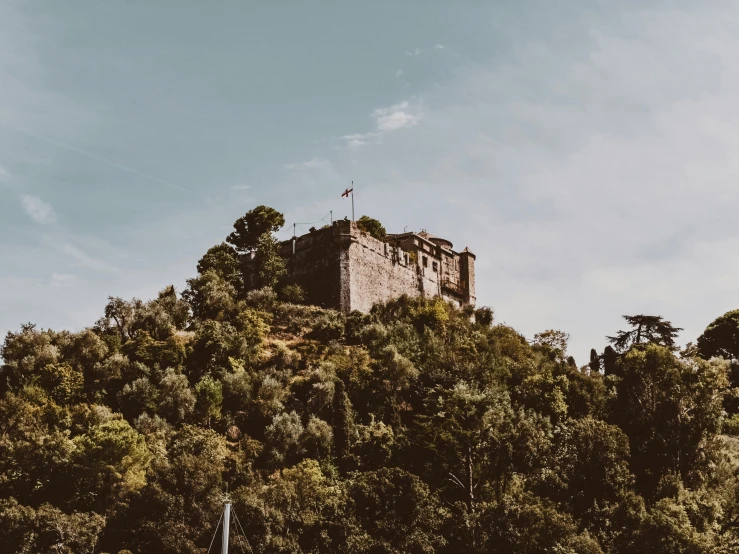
pixel 378 272
pixel 315 266
pixel 345 268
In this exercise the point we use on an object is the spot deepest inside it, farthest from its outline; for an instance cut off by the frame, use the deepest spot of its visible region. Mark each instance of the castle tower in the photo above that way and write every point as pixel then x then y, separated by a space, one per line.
pixel 467 274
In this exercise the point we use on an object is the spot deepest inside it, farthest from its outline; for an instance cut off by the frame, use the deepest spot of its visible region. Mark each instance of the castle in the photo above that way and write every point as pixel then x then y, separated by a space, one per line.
pixel 343 267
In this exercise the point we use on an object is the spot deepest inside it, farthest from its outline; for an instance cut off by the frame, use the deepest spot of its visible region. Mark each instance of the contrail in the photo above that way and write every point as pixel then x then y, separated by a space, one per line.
pixel 93 156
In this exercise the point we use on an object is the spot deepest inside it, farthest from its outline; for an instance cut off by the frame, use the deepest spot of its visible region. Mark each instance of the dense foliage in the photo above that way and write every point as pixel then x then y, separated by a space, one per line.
pixel 416 428
pixel 372 226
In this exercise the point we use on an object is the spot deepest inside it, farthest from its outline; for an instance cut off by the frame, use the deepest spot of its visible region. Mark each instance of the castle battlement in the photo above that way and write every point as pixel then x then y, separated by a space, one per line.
pixel 343 267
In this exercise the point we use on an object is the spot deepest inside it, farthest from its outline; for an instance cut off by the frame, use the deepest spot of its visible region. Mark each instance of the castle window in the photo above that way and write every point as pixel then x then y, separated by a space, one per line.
pixel 406 259
pixel 425 261
pixel 434 266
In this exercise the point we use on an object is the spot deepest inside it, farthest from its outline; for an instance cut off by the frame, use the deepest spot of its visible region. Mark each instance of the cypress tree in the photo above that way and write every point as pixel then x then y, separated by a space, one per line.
pixel 609 360
pixel 594 361
pixel 342 426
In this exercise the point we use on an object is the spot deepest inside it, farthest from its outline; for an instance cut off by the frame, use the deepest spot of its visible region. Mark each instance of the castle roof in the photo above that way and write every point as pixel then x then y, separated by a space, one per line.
pixel 468 251
pixel 425 235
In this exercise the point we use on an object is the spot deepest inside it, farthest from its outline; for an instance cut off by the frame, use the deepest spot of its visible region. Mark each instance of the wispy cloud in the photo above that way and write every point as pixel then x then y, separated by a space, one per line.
pixel 38 210
pixel 84 259
pixel 399 73
pixel 313 163
pixel 396 117
pixel 356 140
pixel 4 175
pixel 240 187
pixel 61 279
pixel 439 47
pixel 413 53
pixel 387 120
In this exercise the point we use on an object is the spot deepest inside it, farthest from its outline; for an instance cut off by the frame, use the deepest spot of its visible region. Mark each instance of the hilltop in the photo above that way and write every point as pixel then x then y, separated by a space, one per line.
pixel 420 426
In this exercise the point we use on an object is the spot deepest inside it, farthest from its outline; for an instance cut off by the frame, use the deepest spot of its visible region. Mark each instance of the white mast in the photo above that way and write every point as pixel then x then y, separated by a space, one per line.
pixel 226 518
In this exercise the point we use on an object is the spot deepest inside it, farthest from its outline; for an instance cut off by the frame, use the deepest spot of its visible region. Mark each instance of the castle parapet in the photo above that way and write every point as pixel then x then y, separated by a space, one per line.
pixel 341 266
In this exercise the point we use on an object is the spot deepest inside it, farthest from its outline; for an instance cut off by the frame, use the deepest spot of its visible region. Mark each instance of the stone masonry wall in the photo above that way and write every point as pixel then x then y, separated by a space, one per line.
pixel 315 266
pixel 378 272
pixel 343 267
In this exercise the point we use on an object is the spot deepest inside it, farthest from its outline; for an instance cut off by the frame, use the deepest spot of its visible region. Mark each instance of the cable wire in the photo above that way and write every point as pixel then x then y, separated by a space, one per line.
pixel 215 533
pixel 242 531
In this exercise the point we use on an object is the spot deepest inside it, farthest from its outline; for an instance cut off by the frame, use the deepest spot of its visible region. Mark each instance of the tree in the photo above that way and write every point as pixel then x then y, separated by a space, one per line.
pixel 138 397
pixel 590 466
pixel 554 339
pixel 721 337
pixel 671 410
pixel 48 530
pixel 317 438
pixel 484 316
pixel 209 397
pixel 610 356
pixel 122 313
pixel 163 317
pixel 420 427
pixel 210 296
pixel 594 363
pixel 177 399
pixel 35 449
pixel 111 460
pixel 283 439
pixel 526 524
pixel 270 265
pixel 395 512
pixel 342 426
pixel 252 225
pixel 645 329
pixel 224 261
pixel 298 509
pixel 371 226
pixel 456 428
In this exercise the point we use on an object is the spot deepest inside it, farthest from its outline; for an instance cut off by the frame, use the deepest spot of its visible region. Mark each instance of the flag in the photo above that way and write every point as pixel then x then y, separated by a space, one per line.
pixel 345 194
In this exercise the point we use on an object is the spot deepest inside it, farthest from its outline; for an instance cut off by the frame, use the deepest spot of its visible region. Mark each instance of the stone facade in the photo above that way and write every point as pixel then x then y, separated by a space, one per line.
pixel 345 268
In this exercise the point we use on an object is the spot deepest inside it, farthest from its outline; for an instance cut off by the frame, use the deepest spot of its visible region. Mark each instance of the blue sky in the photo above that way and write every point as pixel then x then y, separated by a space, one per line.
pixel 585 151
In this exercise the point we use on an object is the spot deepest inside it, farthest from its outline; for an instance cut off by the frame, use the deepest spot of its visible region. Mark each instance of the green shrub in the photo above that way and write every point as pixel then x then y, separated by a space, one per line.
pixel 731 425
pixel 292 293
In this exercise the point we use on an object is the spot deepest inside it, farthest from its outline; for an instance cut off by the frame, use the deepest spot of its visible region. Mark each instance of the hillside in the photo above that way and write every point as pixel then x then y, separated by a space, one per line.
pixel 416 428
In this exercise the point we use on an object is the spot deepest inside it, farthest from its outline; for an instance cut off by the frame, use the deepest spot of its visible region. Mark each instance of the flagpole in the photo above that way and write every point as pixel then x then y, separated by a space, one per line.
pixel 352 200
pixel 226 519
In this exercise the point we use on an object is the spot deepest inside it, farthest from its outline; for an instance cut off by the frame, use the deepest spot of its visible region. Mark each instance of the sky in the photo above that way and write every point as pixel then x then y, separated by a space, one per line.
pixel 585 151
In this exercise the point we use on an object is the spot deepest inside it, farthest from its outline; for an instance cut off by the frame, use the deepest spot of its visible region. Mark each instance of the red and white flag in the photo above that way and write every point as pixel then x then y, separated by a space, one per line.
pixel 345 194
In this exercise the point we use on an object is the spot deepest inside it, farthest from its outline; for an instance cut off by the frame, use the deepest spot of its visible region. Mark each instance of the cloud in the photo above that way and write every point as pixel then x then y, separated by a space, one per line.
pixel 4 175
pixel 85 260
pixel 396 117
pixel 387 120
pixel 607 172
pixel 312 164
pixel 413 53
pixel 357 140
pixel 399 73
pixel 38 210
pixel 240 187
pixel 439 47
pixel 61 279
